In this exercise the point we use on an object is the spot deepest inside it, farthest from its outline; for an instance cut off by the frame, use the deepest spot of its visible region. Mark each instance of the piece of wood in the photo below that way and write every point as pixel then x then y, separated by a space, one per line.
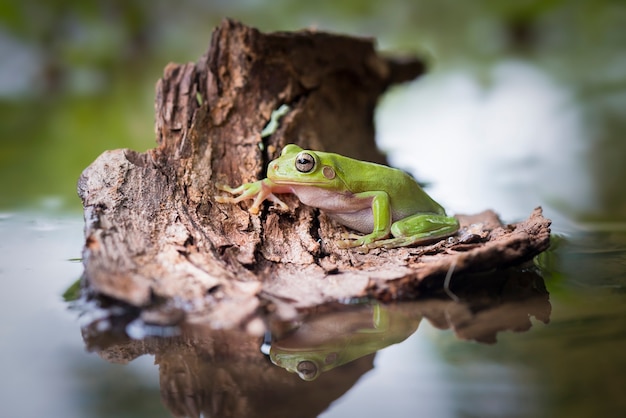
pixel 156 239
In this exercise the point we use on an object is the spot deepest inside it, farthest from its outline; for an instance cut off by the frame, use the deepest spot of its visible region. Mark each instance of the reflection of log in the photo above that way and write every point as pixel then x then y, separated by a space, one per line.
pixel 201 380
pixel 154 233
pixel 206 372
pixel 223 372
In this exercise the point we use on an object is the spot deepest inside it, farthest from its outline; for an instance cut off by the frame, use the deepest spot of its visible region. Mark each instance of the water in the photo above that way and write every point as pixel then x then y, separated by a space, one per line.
pixel 523 107
pixel 47 371
pixel 572 365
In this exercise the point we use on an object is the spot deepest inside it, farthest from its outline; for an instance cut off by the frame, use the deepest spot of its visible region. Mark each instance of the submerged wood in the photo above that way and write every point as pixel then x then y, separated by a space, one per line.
pixel 156 239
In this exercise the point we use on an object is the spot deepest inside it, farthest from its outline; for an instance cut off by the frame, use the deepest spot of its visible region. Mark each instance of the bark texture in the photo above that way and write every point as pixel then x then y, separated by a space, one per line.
pixel 156 239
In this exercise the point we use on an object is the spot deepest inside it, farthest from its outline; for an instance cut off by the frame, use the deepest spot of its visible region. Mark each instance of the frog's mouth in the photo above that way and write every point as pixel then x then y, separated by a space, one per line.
pixel 303 179
pixel 298 182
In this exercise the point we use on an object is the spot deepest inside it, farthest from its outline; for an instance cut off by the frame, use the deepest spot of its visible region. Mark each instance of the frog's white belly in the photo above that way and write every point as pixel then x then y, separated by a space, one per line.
pixel 361 220
pixel 345 208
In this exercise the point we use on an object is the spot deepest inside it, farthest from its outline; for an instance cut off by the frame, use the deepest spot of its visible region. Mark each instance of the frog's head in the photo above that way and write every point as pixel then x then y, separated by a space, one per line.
pixel 309 364
pixel 296 166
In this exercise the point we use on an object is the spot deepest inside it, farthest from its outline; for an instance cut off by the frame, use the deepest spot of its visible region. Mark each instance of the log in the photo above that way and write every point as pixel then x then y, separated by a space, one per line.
pixel 157 240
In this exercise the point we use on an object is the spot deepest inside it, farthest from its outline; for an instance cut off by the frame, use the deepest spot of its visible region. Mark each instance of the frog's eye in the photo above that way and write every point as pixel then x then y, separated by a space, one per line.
pixel 307 370
pixel 305 162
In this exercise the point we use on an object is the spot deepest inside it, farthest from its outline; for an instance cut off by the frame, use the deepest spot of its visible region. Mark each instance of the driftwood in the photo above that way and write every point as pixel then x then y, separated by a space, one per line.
pixel 156 239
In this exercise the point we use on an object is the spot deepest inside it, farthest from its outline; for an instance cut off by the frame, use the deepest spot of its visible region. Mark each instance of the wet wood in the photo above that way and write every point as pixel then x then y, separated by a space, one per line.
pixel 156 239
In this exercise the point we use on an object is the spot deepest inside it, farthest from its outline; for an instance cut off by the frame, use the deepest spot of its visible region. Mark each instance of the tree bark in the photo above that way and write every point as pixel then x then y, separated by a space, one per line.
pixel 156 238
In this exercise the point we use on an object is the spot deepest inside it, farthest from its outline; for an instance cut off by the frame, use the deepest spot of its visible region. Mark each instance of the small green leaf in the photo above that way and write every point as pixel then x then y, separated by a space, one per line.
pixel 72 293
pixel 272 125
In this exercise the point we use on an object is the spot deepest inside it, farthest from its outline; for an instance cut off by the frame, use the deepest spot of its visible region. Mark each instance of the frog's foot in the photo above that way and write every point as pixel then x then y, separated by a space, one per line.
pixel 349 240
pixel 398 242
pixel 227 188
pixel 244 191
pixel 350 236
pixel 416 239
pixel 419 229
pixel 257 191
pixel 277 201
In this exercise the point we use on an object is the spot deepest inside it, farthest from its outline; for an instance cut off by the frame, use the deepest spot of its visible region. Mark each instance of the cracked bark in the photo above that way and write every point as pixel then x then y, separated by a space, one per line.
pixel 155 237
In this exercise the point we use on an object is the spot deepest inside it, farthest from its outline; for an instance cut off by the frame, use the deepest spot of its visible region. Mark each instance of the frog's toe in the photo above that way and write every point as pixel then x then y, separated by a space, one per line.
pixel 223 187
pixel 282 205
pixel 223 199
pixel 343 243
pixel 348 243
pixel 350 236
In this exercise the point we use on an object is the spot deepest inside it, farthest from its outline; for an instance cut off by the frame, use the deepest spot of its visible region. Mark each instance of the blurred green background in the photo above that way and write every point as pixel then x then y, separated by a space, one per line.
pixel 77 77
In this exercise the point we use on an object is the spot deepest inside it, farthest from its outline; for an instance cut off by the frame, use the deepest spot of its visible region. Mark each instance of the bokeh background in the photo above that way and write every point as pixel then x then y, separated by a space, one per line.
pixel 536 84
pixel 524 105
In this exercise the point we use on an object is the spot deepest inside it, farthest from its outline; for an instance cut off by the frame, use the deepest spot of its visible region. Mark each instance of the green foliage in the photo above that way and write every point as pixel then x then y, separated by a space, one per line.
pixel 72 293
pixel 88 84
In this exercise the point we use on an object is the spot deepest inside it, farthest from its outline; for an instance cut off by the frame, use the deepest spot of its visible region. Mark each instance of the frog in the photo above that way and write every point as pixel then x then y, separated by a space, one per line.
pixel 384 204
pixel 325 341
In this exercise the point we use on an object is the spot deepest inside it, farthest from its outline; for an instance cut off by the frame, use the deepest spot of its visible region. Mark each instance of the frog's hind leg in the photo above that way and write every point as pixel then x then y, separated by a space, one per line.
pixel 418 230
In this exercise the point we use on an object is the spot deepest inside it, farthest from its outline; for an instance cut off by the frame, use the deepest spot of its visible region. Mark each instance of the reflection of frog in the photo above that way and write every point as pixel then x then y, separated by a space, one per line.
pixel 371 198
pixel 333 339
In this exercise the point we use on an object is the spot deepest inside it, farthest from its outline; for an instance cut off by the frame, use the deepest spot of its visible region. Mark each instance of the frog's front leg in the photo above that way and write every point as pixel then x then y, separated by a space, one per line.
pixel 418 229
pixel 381 214
pixel 259 191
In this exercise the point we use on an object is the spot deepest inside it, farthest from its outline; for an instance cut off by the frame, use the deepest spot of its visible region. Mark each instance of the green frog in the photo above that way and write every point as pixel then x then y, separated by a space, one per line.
pixel 383 203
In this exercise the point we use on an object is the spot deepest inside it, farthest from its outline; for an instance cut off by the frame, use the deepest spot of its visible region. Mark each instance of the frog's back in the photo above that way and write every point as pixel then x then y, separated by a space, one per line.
pixel 406 196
